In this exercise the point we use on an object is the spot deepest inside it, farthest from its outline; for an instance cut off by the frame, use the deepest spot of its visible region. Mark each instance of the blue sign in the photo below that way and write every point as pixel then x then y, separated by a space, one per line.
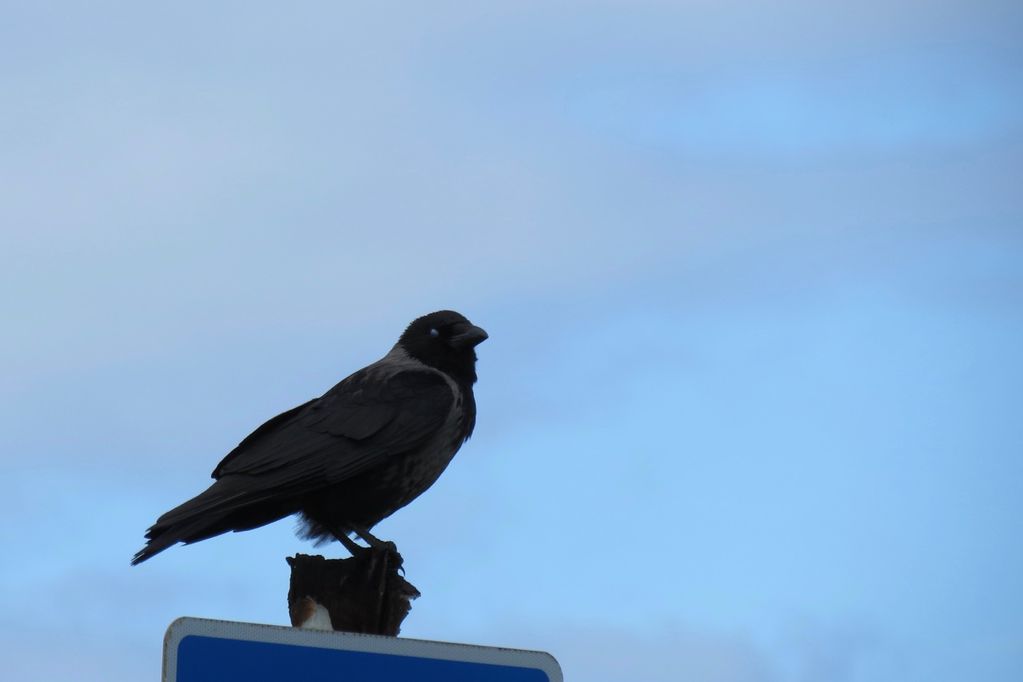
pixel 198 650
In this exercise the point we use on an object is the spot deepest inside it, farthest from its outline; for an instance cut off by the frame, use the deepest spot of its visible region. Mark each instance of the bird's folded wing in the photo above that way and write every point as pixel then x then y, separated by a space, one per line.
pixel 357 425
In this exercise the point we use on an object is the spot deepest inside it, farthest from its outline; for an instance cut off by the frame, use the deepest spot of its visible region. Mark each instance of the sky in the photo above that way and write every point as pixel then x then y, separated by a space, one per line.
pixel 752 274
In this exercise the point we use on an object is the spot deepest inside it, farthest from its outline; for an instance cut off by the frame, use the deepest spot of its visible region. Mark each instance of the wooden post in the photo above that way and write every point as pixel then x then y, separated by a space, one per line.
pixel 362 594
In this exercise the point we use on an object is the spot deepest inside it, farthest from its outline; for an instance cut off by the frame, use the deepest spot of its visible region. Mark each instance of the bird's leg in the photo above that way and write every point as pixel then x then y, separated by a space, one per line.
pixel 373 541
pixel 351 545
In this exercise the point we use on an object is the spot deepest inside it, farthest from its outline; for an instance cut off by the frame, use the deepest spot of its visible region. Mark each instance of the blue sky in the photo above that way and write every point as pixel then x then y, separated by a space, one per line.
pixel 753 277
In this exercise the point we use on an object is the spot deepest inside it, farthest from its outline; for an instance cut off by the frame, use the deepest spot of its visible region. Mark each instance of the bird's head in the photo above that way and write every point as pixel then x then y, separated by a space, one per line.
pixel 446 341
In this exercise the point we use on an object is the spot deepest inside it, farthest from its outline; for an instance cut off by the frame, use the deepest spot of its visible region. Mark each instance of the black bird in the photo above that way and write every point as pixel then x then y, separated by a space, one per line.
pixel 353 456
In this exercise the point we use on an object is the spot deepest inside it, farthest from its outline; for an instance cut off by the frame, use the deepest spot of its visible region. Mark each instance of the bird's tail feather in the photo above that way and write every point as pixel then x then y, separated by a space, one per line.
pixel 229 504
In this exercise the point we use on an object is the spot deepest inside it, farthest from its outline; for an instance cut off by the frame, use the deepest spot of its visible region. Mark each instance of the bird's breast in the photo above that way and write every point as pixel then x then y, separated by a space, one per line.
pixel 376 494
pixel 412 473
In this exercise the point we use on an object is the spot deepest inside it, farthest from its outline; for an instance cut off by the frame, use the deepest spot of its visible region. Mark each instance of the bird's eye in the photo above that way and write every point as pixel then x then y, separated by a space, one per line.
pixel 434 333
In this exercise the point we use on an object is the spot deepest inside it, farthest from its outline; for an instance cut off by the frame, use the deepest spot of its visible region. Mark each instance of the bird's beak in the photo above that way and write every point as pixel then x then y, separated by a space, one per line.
pixel 469 337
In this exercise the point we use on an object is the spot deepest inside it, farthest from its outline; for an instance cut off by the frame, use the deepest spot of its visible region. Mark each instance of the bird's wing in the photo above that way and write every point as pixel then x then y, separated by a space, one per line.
pixel 355 426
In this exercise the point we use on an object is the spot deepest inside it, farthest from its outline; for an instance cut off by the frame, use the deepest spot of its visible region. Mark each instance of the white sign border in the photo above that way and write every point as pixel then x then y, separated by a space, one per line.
pixel 350 641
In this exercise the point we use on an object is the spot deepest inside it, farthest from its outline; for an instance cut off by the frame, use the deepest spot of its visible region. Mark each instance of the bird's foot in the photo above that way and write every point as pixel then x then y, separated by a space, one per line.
pixel 376 545
pixel 351 545
pixel 374 542
pixel 381 550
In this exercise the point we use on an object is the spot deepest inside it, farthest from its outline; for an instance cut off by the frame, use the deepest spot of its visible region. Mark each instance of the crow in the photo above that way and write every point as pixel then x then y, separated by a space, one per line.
pixel 353 456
